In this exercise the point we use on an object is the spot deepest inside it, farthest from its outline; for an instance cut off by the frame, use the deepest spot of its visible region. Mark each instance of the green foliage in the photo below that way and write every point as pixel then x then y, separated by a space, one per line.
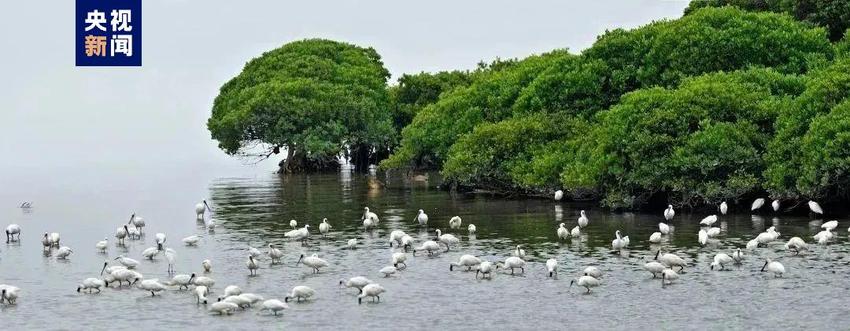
pixel 724 39
pixel 826 154
pixel 414 92
pixel 426 141
pixel 700 142
pixel 312 96
pixel 825 89
pixel 570 84
pixel 831 14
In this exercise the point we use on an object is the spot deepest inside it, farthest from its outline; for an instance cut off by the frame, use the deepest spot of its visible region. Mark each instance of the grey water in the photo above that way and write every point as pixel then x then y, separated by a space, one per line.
pixel 253 208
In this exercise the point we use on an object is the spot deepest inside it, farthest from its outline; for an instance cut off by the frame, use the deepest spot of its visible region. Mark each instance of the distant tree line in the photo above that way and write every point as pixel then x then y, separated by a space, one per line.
pixel 723 104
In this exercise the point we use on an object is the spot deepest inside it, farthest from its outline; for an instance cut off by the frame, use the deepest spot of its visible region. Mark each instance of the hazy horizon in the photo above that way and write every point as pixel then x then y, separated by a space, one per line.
pixel 58 116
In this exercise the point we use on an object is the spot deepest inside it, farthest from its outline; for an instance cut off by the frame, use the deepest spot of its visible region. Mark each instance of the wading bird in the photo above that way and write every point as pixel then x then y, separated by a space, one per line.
pixel 201 208
pixel 371 290
pixel 312 261
pixel 455 222
pixel 299 293
pixel 11 231
pixel 586 282
pixel 669 213
pixel 421 218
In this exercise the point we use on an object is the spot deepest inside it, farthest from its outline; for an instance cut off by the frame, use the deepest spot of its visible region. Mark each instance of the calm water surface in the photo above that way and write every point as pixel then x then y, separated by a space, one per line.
pixel 255 209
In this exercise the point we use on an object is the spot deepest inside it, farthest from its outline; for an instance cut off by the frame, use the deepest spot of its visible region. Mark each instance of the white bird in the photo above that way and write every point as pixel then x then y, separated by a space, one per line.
pixel 121 233
pixel 471 228
pixel 170 256
pixel 562 232
pixel 775 267
pixel 223 307
pixel 368 224
pixel 231 290
pixel 251 298
pixel 201 293
pixel 654 267
pixel 45 241
pixel 738 256
pixel 582 220
pixel 252 265
pixel 447 239
pixel 655 237
pixel 775 205
pixel 351 244
pixel 63 252
pixel 293 224
pixel 668 276
pixel 518 251
pixel 421 218
pixel 134 233
pixel 207 265
pixel 399 258
pixel 406 241
pixel 204 281
pixel 823 237
pixel 388 271
pixel 90 284
pixel 586 282
pixel 182 280
pixel 127 262
pixel 713 232
pixel 752 244
pixel 485 269
pixel 191 240
pixel 669 213
pixel 815 207
pixel 663 228
pixel 831 225
pixel 702 237
pixel 370 215
pixel 708 220
pixel 299 234
pixel 274 253
pixel 455 222
pixel 592 272
pixel 274 306
pixel 11 231
pixel 254 252
pixel 201 208
pixel 723 208
pixel 430 246
pixel 512 263
pixel 9 293
pixel 796 244
pixel 150 252
pixel 102 245
pixel 237 300
pixel 324 227
pixel 552 267
pixel 371 290
pixel 721 260
pixel 300 292
pixel 559 195
pixel 465 260
pixel 670 260
pixel 619 242
pixel 160 240
pixel 312 261
pixel 356 282
pixel 138 222
pixel 757 204
pixel 152 285
pixel 575 232
pixel 395 237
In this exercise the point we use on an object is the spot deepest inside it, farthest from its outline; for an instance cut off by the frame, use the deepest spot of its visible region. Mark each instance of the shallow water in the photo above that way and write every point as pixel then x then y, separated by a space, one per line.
pixel 255 210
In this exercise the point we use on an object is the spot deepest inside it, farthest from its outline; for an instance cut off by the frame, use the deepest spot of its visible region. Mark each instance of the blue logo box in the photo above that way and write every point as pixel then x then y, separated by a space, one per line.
pixel 108 33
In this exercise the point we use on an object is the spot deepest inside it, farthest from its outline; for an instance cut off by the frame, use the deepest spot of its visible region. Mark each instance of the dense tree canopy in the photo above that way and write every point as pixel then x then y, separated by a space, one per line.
pixel 315 98
pixel 723 104
pixel 831 14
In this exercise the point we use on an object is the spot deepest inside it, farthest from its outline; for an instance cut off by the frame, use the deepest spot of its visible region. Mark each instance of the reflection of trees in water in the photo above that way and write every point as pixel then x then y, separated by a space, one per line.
pixel 259 208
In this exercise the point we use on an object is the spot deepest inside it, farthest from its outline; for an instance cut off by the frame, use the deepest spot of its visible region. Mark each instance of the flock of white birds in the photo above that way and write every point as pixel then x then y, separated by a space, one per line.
pixel 664 264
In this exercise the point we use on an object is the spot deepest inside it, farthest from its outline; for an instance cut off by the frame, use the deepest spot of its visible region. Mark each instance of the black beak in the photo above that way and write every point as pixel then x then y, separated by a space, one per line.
pixel 104 268
pixel 572 282
pixel 78 289
pixel 131 218
pixel 286 299
pixel 764 266
pixel 550 274
pixel 207 205
pixel 657 253
pixel 299 259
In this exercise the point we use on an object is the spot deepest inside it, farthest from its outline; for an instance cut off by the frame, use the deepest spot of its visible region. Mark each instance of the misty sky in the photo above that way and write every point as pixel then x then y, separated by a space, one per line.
pixel 53 114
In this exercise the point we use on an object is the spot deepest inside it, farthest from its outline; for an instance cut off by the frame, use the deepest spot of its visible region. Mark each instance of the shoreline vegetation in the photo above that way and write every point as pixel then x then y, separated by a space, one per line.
pixel 727 103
